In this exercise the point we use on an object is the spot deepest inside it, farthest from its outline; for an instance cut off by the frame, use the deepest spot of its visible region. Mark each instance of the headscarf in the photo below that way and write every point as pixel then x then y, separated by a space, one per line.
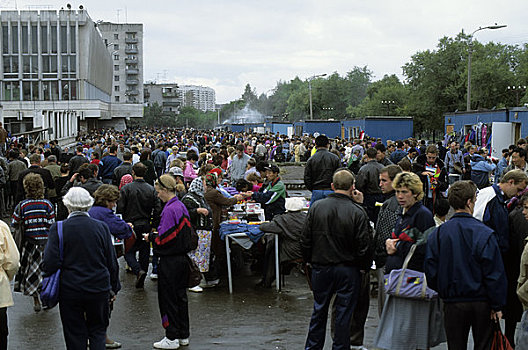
pixel 197 187
pixel 211 180
pixel 126 179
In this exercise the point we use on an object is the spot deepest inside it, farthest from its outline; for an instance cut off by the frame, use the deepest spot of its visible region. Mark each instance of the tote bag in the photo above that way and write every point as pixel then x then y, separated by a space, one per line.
pixel 49 294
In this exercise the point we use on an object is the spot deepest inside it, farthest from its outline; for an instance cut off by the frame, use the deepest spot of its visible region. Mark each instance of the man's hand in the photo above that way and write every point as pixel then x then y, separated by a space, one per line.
pixel 390 245
pixel 202 211
pixel 357 196
pixel 74 177
pixel 496 315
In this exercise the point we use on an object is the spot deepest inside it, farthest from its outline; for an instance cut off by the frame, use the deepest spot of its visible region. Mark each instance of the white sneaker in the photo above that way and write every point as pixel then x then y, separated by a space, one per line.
pixel 153 276
pixel 196 289
pixel 184 342
pixel 166 343
pixel 361 347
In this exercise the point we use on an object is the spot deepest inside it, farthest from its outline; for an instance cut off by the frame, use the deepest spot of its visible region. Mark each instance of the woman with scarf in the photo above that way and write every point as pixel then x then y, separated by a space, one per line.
pixel 171 244
pixel 201 218
pixel 216 201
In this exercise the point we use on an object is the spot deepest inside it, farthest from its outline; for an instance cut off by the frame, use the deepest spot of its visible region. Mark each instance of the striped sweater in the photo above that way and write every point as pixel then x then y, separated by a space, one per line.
pixel 36 216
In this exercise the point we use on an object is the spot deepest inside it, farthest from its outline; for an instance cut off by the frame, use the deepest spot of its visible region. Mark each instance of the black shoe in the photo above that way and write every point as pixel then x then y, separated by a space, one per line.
pixel 140 282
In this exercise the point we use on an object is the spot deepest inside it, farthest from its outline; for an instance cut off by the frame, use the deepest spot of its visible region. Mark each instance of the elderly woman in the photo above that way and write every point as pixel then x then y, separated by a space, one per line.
pixel 89 272
pixel 216 201
pixel 202 221
pixel 407 324
pixel 35 215
pixel 171 244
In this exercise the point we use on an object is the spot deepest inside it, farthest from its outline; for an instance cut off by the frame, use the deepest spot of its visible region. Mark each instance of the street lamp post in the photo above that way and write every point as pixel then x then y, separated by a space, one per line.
pixel 310 91
pixel 468 101
pixel 388 103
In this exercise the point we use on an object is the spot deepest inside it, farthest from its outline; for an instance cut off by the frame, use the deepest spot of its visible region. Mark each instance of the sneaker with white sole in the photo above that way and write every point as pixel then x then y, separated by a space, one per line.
pixel 153 276
pixel 184 342
pixel 355 347
pixel 166 343
pixel 210 284
pixel 196 289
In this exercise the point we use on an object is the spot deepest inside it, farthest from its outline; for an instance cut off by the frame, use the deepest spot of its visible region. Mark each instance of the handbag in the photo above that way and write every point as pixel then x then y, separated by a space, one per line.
pixel 521 334
pixel 195 276
pixel 49 293
pixel 409 284
pixel 500 342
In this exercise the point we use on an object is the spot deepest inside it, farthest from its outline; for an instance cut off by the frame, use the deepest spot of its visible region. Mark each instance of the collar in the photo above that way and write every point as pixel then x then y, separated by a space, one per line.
pixel 412 210
pixel 78 213
pixel 462 215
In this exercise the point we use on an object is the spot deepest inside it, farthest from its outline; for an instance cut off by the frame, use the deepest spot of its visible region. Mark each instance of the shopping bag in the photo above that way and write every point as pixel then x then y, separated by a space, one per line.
pixel 410 284
pixel 521 334
pixel 500 342
pixel 49 293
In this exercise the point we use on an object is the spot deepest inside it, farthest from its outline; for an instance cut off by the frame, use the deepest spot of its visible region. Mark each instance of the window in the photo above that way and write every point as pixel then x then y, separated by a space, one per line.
pixel 116 77
pixel 116 88
pixel 116 36
pixel 116 57
pixel 116 67
pixel 14 39
pixel 34 39
pixel 64 39
pixel 73 42
pixel 116 46
pixel 44 39
pixel 25 38
pixel 53 39
pixel 5 39
pixel 117 98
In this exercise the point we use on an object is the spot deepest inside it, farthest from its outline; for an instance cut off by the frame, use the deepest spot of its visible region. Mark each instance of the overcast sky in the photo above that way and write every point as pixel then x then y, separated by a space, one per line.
pixel 226 44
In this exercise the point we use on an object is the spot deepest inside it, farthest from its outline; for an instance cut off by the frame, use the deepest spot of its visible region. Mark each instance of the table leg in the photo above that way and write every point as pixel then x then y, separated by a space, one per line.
pixel 228 255
pixel 277 268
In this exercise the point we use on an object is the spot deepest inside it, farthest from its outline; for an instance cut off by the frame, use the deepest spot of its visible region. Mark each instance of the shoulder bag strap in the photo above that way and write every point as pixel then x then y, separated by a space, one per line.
pixel 59 231
pixel 404 268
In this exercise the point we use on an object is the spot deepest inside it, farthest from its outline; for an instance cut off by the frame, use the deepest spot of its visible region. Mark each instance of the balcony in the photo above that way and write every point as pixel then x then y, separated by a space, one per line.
pixel 132 81
pixel 131 40
pixel 131 60
pixel 131 50
pixel 169 94
pixel 171 104
pixel 132 71
pixel 131 92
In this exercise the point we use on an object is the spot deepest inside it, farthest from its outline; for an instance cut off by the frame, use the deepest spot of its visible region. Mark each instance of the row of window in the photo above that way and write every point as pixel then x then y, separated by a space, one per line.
pixel 130 35
pixel 30 65
pixel 49 36
pixel 29 90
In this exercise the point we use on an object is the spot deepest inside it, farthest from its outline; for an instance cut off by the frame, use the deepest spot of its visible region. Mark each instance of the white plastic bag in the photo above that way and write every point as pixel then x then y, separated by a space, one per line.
pixel 521 333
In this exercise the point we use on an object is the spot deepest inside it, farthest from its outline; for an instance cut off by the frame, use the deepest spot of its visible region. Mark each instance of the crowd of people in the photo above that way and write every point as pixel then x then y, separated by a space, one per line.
pixel 445 210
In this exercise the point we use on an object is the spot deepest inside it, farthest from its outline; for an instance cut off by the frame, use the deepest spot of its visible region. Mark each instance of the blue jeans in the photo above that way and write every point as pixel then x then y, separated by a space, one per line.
pixel 319 194
pixel 345 283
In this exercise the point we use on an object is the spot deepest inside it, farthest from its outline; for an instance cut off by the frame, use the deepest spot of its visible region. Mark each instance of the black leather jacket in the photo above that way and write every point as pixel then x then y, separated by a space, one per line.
pixel 140 205
pixel 319 170
pixel 337 231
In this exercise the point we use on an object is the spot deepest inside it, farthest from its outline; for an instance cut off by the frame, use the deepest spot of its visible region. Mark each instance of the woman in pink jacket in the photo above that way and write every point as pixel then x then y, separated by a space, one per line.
pixel 189 173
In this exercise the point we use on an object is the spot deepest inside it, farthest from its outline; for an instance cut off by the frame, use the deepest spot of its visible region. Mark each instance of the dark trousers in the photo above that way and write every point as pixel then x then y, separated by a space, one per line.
pixel 460 317
pixel 85 318
pixel 173 273
pixel 144 254
pixel 344 282
pixel 3 328
pixel 357 324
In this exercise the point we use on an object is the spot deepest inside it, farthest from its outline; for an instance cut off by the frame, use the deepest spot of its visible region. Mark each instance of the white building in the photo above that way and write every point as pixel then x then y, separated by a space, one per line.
pixel 56 75
pixel 199 97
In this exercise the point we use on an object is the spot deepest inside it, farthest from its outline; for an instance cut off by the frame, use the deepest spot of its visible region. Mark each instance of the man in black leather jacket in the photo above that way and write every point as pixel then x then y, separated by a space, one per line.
pixel 336 241
pixel 140 205
pixel 319 170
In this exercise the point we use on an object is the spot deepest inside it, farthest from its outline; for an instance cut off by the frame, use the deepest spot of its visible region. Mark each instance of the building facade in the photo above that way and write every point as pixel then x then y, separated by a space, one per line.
pixel 199 97
pixel 55 73
pixel 125 43
pixel 165 95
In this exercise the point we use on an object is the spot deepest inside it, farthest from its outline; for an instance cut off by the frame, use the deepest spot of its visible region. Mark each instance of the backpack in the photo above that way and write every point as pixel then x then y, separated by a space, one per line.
pixel 159 162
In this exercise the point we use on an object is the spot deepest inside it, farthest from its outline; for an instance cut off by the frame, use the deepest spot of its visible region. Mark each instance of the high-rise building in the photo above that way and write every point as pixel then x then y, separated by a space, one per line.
pixel 56 75
pixel 199 97
pixel 125 43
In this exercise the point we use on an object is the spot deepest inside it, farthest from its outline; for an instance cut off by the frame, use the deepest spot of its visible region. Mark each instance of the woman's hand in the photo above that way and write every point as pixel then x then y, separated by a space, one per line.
pixel 146 237
pixel 390 245
pixel 202 211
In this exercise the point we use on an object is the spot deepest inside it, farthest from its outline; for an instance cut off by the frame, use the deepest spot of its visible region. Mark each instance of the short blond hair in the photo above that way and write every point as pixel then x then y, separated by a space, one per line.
pixel 410 181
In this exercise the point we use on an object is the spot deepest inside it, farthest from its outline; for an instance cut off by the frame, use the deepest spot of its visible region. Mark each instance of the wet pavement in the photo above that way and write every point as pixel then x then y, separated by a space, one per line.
pixel 250 318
